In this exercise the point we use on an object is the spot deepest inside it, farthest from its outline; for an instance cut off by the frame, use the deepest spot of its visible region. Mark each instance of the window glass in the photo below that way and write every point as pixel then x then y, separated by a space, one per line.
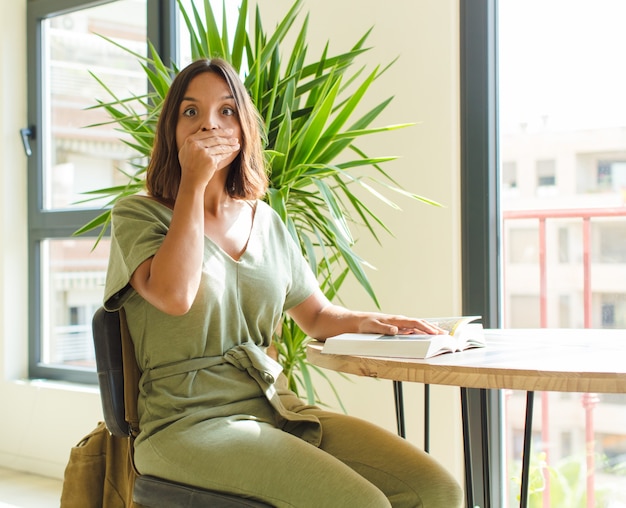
pixel 78 158
pixel 509 175
pixel 546 173
pixel 78 150
pixel 73 275
pixel 562 127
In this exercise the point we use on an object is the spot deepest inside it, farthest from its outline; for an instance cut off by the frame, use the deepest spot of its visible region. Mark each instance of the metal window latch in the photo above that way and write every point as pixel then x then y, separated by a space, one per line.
pixel 27 134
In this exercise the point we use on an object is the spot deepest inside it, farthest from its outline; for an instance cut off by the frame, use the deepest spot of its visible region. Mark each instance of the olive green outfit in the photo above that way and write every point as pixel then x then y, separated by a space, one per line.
pixel 214 408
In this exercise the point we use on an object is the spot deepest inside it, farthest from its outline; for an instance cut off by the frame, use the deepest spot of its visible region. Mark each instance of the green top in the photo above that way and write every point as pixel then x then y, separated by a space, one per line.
pixel 187 374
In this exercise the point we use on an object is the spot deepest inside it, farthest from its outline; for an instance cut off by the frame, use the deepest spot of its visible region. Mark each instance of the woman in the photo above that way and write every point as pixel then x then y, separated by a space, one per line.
pixel 204 271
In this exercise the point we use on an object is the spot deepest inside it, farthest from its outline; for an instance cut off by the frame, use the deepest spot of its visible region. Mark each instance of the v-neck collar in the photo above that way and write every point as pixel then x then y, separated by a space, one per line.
pixel 255 209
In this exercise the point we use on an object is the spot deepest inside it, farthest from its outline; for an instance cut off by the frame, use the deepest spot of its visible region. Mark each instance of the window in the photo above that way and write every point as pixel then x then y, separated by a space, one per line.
pixel 604 175
pixel 608 315
pixel 579 213
pixel 611 176
pixel 509 83
pixel 75 158
pixel 73 151
pixel 69 157
pixel 72 278
pixel 612 311
pixel 546 173
pixel 509 175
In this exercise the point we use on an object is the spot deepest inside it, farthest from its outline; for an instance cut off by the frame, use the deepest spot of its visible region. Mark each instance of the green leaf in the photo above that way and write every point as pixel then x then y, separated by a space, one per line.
pixel 283 145
pixel 312 130
pixel 335 210
pixel 101 220
pixel 277 200
pixel 241 36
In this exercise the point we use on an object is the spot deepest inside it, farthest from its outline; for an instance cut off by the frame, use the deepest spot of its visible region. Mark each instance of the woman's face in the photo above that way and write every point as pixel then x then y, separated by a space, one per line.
pixel 208 104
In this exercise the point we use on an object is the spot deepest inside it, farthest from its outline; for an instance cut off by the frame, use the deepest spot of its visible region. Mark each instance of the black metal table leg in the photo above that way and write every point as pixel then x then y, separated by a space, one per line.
pixel 399 402
pixel 427 418
pixel 528 433
pixel 477 436
pixel 467 450
pixel 475 439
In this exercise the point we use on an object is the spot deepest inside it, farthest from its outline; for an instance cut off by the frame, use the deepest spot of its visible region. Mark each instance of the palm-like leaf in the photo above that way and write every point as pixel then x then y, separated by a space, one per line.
pixel 308 113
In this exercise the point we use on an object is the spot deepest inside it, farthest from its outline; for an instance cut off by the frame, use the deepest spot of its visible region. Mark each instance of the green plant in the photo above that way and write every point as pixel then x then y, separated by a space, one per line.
pixel 313 159
pixel 567 483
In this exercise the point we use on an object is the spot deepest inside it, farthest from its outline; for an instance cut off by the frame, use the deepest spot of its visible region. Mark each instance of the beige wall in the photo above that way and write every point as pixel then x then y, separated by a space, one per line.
pixel 418 270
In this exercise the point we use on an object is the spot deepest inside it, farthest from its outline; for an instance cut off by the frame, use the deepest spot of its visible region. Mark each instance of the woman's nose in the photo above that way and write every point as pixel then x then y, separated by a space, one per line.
pixel 209 123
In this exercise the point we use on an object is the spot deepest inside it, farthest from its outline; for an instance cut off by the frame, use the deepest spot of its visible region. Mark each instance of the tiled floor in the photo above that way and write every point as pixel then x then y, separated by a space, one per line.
pixel 23 490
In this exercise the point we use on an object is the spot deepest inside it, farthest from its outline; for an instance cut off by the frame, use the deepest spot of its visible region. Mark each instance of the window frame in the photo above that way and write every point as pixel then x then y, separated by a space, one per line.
pixel 481 231
pixel 161 19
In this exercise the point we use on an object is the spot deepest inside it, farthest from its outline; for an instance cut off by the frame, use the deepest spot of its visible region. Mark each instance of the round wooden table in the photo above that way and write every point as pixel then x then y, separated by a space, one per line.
pixel 559 360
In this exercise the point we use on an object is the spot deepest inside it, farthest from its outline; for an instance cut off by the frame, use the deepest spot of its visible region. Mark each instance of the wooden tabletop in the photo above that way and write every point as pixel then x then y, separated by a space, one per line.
pixel 561 360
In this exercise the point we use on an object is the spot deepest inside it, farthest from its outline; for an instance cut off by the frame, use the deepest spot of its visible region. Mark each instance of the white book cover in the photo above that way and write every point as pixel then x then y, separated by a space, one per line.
pixel 463 333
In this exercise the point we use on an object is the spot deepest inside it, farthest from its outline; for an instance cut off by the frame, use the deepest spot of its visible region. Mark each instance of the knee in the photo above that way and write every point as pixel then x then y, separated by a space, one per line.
pixel 442 493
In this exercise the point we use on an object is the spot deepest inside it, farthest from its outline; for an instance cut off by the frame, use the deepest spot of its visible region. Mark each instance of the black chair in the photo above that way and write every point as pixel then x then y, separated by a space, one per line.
pixel 149 491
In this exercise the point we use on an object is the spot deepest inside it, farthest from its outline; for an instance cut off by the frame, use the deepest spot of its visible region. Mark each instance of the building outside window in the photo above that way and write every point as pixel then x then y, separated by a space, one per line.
pixel 555 114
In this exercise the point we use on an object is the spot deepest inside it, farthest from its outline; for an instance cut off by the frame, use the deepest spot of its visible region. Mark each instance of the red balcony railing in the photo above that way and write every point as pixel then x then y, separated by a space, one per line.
pixel 589 401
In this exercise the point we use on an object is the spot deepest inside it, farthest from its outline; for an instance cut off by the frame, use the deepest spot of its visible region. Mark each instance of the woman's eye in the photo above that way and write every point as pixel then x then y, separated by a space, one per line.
pixel 228 111
pixel 189 112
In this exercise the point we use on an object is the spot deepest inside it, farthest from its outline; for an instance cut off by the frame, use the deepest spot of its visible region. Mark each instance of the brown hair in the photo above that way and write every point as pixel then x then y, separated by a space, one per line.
pixel 247 178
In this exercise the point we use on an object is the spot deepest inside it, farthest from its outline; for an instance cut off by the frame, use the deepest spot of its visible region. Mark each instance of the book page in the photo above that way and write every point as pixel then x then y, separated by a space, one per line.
pixel 470 335
pixel 452 324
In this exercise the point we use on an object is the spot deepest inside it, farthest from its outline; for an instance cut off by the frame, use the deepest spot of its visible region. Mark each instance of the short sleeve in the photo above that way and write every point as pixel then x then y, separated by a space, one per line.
pixel 303 280
pixel 138 227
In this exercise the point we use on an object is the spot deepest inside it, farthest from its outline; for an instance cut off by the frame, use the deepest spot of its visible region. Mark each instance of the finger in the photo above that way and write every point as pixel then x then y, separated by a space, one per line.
pixel 217 150
pixel 387 329
pixel 223 134
pixel 420 326
pixel 428 325
pixel 214 142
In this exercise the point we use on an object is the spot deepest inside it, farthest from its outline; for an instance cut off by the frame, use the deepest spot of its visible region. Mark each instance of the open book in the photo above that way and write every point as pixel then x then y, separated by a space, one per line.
pixel 463 333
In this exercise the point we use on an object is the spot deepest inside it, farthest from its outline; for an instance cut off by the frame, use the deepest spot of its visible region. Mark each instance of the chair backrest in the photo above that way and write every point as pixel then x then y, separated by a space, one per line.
pixel 107 337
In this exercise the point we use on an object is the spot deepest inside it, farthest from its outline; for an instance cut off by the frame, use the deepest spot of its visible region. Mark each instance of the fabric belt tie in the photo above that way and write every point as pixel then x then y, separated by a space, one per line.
pixel 182 367
pixel 264 370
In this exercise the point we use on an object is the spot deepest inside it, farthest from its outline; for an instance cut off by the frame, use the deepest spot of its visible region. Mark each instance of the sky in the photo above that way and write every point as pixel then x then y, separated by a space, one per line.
pixel 562 62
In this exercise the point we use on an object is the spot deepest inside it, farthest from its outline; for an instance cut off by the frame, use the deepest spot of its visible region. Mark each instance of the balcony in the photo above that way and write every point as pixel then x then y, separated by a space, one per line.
pixel 566 268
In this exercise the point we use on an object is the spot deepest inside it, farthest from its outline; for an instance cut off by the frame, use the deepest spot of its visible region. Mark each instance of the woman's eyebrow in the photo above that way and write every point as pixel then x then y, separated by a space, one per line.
pixel 193 99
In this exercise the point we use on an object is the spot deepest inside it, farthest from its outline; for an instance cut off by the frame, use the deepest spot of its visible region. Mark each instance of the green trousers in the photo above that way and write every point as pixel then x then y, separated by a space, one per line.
pixel 358 465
